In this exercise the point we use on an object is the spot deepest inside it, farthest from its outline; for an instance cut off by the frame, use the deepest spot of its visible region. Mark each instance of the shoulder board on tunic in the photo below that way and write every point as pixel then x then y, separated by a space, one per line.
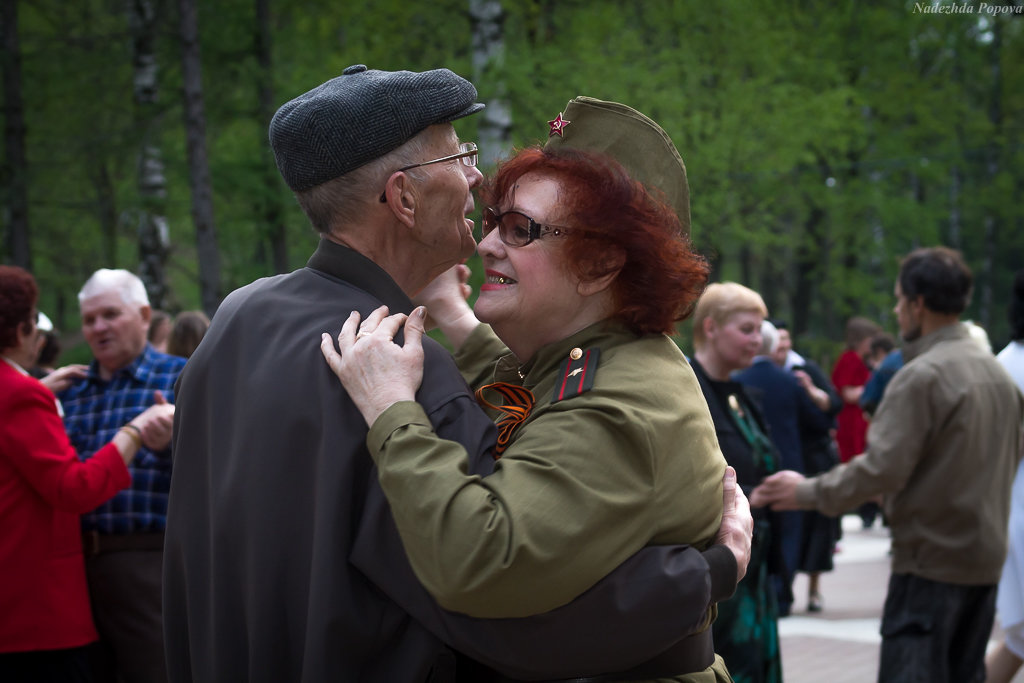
pixel 577 374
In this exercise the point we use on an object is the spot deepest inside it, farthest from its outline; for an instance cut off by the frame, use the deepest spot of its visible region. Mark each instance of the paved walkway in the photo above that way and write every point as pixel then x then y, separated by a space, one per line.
pixel 841 643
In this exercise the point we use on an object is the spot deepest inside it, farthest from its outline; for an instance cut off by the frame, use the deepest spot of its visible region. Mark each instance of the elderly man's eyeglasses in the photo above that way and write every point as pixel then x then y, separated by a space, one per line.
pixel 467 153
pixel 516 229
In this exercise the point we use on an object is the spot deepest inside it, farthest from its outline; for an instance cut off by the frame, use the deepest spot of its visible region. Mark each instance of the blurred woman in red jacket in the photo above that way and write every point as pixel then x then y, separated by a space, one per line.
pixel 849 376
pixel 45 619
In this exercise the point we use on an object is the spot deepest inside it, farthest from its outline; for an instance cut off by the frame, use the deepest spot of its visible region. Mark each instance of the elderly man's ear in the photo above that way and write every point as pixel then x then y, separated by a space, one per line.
pixel 401 198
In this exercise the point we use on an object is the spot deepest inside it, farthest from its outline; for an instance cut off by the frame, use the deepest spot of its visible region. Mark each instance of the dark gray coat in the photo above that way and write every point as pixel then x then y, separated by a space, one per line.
pixel 282 562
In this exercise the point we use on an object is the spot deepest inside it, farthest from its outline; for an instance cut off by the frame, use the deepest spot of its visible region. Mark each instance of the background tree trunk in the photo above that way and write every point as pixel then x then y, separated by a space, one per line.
pixel 495 126
pixel 273 212
pixel 809 273
pixel 198 163
pixel 106 208
pixel 154 237
pixel 14 176
pixel 992 167
pixel 955 180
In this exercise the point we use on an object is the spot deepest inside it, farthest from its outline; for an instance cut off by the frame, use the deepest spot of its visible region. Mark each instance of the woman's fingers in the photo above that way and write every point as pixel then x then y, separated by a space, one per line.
pixel 347 336
pixel 729 490
pixel 463 272
pixel 372 322
pixel 379 329
pixel 415 326
pixel 377 324
pixel 389 326
pixel 330 355
pixel 375 371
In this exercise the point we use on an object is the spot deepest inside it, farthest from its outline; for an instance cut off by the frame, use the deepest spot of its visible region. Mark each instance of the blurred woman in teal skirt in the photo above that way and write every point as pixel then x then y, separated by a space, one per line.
pixel 727 336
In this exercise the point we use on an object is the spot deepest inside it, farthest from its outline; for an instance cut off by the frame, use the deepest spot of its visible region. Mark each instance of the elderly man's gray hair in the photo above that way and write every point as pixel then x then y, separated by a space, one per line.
pixel 124 282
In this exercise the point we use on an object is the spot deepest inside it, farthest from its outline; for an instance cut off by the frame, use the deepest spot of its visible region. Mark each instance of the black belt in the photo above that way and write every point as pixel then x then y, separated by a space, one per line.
pixel 690 655
pixel 94 543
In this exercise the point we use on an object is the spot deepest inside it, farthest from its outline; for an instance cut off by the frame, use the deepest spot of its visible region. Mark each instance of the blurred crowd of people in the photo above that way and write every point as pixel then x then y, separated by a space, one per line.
pixel 84 463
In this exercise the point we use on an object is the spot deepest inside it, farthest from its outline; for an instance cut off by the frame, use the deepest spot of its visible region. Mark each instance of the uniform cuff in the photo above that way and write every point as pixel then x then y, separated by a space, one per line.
pixel 723 570
pixel 397 416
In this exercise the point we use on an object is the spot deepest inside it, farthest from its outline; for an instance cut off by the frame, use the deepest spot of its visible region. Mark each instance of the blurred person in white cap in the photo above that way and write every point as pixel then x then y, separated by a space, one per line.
pixel 47 351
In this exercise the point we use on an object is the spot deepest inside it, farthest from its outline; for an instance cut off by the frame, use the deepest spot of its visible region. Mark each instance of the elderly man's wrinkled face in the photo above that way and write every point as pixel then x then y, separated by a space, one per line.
pixel 114 330
pixel 445 235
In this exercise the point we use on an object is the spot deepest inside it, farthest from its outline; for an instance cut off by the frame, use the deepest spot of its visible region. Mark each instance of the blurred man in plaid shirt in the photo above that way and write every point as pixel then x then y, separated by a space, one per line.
pixel 123 538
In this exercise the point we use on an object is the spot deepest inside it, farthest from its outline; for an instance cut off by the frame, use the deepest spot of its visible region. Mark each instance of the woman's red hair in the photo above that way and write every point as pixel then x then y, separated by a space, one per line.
pixel 18 294
pixel 615 221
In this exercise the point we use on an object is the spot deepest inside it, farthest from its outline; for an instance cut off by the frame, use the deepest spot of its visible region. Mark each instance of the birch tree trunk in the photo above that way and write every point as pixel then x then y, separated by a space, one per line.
pixel 495 123
pixel 198 163
pixel 15 164
pixel 993 166
pixel 152 230
pixel 273 211
pixel 811 256
pixel 955 181
pixel 106 207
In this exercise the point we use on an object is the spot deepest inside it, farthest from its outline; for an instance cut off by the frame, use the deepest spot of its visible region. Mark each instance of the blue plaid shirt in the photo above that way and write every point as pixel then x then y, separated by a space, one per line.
pixel 93 412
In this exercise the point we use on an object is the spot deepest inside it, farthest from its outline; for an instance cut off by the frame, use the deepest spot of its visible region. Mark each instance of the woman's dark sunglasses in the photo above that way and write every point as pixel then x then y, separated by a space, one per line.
pixel 516 229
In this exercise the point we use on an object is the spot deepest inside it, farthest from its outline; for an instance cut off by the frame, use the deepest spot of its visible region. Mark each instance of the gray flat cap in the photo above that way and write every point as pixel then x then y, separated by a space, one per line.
pixel 360 116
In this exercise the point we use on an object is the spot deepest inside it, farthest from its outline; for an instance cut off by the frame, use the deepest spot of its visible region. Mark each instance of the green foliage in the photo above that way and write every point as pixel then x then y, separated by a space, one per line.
pixel 822 142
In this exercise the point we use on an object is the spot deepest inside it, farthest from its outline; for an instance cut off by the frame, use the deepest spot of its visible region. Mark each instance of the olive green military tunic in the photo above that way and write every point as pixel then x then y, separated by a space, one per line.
pixel 618 452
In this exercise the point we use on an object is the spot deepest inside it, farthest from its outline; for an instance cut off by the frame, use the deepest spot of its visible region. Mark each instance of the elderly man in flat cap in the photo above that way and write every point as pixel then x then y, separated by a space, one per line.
pixel 282 561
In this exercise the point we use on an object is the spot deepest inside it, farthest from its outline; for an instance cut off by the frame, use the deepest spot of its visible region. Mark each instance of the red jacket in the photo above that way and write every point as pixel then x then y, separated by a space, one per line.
pixel 851 427
pixel 44 602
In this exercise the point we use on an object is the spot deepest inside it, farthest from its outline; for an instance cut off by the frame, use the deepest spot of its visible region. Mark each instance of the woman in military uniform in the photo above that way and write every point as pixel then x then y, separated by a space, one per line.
pixel 727 336
pixel 605 443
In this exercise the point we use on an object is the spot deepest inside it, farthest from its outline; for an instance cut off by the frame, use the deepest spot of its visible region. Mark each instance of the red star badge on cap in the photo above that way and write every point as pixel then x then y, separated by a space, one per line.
pixel 557 125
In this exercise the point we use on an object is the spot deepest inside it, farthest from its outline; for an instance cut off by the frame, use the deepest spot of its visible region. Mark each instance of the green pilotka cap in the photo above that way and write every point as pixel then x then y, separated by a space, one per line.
pixel 634 140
